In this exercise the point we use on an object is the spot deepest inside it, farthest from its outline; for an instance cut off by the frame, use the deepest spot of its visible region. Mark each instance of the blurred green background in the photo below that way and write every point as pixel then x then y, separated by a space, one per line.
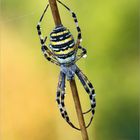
pixel 28 81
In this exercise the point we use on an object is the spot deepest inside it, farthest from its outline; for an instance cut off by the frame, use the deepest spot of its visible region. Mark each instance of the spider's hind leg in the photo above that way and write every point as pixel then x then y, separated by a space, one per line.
pixel 60 99
pixel 90 90
pixel 61 95
pixel 58 94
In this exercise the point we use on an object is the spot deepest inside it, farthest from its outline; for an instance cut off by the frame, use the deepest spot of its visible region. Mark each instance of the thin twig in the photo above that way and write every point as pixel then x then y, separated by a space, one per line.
pixel 57 20
pixel 55 12
pixel 78 110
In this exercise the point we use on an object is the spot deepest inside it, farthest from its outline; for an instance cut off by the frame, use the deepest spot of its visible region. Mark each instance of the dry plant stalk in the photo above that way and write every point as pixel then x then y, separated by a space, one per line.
pixel 57 20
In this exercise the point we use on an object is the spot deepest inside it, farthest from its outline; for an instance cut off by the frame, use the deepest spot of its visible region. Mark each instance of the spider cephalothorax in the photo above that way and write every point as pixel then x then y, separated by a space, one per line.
pixel 63 51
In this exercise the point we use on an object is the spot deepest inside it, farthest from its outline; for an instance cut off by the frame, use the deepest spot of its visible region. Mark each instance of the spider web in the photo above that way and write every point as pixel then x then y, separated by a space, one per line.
pixel 15 17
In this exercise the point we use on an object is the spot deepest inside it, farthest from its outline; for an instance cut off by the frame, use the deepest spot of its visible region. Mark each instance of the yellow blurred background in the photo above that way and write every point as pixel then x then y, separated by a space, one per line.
pixel 28 82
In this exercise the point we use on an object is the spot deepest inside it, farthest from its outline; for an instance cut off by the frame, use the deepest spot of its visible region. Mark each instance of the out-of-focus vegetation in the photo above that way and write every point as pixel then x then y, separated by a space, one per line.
pixel 28 82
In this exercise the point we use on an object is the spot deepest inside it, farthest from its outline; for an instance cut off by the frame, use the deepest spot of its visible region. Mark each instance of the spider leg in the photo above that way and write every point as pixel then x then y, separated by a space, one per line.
pixel 60 99
pixel 88 87
pixel 42 40
pixel 87 111
pixel 90 90
pixel 61 95
pixel 75 20
pixel 47 53
pixel 58 93
pixel 82 54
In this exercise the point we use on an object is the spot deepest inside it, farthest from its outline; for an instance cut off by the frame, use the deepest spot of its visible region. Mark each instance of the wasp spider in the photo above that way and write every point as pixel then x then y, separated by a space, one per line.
pixel 62 51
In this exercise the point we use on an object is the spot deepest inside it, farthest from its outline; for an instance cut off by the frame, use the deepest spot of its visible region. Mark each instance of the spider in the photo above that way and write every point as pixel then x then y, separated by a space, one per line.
pixel 62 51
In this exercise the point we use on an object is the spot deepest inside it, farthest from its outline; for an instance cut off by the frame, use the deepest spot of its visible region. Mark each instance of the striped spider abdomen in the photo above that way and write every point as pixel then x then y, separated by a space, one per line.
pixel 62 44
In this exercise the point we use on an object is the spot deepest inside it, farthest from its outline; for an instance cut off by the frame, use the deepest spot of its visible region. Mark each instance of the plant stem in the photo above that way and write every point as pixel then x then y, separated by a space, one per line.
pixel 57 20
pixel 55 12
pixel 78 109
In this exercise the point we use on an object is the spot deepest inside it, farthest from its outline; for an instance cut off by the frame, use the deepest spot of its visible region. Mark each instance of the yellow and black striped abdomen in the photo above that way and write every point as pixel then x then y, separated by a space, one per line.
pixel 62 44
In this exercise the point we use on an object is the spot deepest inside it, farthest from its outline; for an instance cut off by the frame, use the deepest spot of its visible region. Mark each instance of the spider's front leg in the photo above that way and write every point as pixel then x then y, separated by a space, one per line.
pixel 79 37
pixel 47 53
pixel 42 40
